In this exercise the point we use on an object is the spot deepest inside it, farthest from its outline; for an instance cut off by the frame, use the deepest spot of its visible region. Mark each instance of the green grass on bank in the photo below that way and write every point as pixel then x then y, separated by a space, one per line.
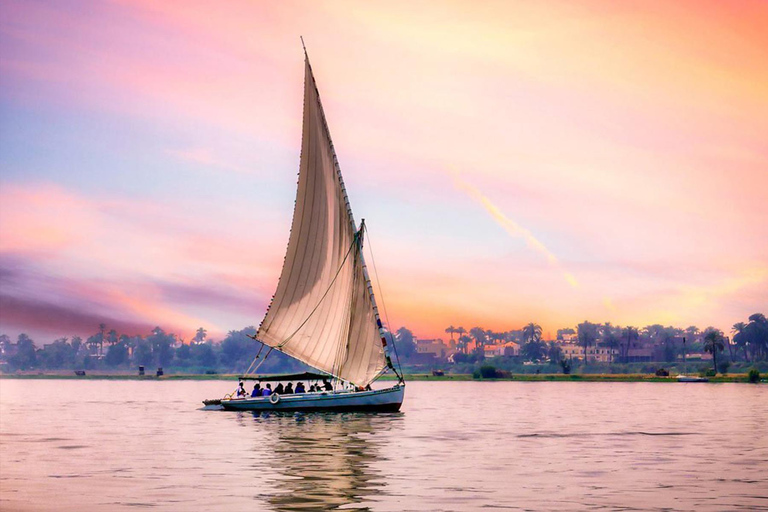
pixel 550 377
pixel 119 376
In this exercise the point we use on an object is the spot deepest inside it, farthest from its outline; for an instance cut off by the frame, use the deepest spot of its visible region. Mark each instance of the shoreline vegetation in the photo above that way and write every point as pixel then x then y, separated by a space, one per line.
pixel 521 377
pixel 589 352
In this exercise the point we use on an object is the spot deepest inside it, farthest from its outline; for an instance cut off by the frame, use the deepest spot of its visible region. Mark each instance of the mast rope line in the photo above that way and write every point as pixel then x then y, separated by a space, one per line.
pixel 280 345
pixel 253 337
pixel 384 305
pixel 262 361
pixel 344 348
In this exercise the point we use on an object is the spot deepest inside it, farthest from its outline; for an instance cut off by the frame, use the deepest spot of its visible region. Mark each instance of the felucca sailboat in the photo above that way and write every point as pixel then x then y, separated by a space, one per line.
pixel 324 311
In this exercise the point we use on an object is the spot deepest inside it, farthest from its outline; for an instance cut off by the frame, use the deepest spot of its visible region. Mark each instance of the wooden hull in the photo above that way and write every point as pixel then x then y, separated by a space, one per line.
pixel 381 400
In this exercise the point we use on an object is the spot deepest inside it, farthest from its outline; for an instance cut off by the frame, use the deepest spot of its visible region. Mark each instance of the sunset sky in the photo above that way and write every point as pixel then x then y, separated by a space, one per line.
pixel 515 161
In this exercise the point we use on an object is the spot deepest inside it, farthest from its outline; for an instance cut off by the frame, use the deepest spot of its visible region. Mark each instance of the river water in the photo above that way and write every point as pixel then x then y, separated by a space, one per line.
pixel 127 445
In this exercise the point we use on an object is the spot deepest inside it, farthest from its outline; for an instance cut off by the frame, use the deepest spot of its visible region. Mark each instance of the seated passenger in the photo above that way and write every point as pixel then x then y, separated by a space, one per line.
pixel 267 390
pixel 288 389
pixel 279 389
pixel 300 388
pixel 327 385
pixel 241 390
pixel 256 390
pixel 312 388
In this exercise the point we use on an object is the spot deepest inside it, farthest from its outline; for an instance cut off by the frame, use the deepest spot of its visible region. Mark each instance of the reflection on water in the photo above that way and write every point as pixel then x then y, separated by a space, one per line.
pixel 323 461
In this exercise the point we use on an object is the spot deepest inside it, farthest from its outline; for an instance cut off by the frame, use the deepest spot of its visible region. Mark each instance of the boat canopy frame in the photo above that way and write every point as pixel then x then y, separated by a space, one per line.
pixel 277 377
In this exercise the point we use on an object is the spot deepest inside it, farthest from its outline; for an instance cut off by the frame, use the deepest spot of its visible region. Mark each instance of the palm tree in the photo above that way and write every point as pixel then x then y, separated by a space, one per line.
pixel 740 338
pixel 405 344
pixel 478 333
pixel 691 332
pixel 93 344
pixel 729 344
pixel 631 334
pixel 129 342
pixel 554 352
pixel 102 328
pixel 201 333
pixel 653 331
pixel 758 336
pixel 609 338
pixel 76 342
pixel 532 333
pixel 450 329
pixel 587 332
pixel 462 343
pixel 667 336
pixel 533 349
pixel 461 331
pixel 713 343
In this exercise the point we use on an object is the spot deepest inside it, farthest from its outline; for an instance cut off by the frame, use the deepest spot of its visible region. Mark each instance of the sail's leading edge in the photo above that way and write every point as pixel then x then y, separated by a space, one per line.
pixel 322 312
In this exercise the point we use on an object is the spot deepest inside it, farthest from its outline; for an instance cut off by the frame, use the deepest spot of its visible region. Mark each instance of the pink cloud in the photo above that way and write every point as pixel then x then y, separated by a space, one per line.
pixel 133 263
pixel 42 219
pixel 39 318
pixel 206 158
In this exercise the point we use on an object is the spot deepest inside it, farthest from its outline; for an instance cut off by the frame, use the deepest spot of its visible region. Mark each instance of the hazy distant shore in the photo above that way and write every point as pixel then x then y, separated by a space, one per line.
pixel 736 377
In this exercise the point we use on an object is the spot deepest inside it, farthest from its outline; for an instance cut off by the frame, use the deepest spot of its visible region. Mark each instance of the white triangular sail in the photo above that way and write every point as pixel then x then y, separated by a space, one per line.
pixel 322 312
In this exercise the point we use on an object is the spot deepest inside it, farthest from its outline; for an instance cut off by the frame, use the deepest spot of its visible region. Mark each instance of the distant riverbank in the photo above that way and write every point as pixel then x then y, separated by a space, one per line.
pixel 631 377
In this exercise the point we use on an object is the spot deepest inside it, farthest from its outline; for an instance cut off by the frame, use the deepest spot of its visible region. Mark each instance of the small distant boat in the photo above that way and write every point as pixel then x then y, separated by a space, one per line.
pixel 691 378
pixel 324 312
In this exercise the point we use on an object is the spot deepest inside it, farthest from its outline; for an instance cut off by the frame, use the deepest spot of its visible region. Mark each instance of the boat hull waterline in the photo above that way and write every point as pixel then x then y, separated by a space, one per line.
pixel 687 378
pixel 380 400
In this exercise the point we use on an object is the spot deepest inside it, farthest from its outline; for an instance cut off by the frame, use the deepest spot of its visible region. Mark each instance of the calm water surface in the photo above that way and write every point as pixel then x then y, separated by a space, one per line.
pixel 123 445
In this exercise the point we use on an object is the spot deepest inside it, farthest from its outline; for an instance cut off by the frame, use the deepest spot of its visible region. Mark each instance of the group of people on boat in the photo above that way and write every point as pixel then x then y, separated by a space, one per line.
pixel 288 389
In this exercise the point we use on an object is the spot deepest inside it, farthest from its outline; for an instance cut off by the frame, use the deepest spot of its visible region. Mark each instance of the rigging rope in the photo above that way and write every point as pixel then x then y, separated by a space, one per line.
pixel 257 355
pixel 262 361
pixel 282 343
pixel 383 303
pixel 343 348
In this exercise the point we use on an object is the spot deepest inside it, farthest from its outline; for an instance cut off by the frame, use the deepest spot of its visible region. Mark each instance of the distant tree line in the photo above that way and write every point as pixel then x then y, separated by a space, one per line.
pixel 107 349
pixel 749 342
